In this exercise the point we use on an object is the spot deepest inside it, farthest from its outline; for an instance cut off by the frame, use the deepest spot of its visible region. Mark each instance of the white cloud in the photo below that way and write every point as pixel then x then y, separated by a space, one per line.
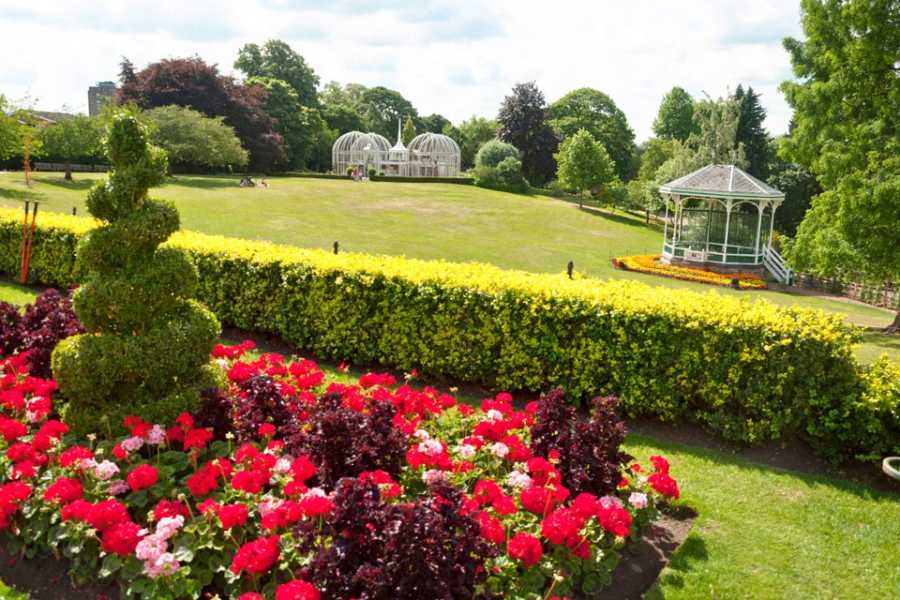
pixel 457 58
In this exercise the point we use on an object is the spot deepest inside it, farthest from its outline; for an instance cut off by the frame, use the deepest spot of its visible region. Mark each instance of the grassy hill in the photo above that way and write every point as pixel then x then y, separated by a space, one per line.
pixel 453 222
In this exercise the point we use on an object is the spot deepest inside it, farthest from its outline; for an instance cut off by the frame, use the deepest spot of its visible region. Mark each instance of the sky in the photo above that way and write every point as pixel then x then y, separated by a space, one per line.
pixel 454 57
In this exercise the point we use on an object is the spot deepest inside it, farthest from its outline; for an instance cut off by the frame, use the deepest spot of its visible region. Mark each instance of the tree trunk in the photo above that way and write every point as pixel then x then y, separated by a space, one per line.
pixel 581 200
pixel 68 172
pixel 895 326
pixel 647 211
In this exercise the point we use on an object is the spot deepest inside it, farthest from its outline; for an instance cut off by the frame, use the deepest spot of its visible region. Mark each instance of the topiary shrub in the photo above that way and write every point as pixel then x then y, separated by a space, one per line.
pixel 493 152
pixel 507 176
pixel 146 351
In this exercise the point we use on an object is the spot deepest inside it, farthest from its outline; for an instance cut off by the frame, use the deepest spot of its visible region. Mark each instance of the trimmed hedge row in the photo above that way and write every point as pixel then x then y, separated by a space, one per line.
pixel 747 370
pixel 314 175
pixel 398 179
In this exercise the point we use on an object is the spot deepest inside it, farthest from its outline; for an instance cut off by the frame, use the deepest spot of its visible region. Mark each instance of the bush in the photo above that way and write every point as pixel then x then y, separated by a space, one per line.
pixel 749 371
pixel 148 340
pixel 371 173
pixel 404 179
pixel 588 451
pixel 493 152
pixel 506 176
pixel 38 331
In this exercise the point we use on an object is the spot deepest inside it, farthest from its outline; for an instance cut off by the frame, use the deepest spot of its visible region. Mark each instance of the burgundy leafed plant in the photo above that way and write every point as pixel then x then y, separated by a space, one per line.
pixel 589 451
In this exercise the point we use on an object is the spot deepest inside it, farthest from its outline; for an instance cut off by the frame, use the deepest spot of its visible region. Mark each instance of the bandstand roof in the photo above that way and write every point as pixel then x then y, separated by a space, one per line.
pixel 721 181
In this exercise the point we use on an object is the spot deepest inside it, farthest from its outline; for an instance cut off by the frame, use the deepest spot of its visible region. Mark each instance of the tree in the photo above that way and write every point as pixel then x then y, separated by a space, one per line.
pixel 799 187
pixel 277 60
pixel 434 123
pixel 409 131
pixel 382 107
pixel 194 141
pixel 341 118
pixel 522 122
pixel 752 133
pixel 191 82
pixel 846 130
pixel 675 119
pixel 584 164
pixel 71 139
pixel 493 152
pixel 473 133
pixel 10 134
pixel 300 126
pixel 146 350
pixel 594 111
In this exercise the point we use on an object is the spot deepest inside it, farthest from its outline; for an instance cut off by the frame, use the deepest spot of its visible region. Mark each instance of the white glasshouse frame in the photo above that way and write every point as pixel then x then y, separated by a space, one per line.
pixel 428 155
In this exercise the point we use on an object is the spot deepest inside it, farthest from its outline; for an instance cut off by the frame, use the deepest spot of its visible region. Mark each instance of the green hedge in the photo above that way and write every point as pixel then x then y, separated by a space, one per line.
pixel 398 179
pixel 314 175
pixel 747 370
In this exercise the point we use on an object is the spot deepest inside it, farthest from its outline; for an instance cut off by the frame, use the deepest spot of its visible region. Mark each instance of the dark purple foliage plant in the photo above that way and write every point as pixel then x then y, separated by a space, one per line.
pixel 590 457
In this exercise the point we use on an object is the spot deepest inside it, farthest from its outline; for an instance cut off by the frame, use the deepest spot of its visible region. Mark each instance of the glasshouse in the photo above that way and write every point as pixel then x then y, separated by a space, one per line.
pixel 722 217
pixel 428 155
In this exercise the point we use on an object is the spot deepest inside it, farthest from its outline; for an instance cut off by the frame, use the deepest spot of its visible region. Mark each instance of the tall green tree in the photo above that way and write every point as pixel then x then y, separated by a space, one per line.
pixel 675 119
pixel 584 164
pixel 277 60
pixel 409 131
pixel 522 122
pixel 473 133
pixel 382 107
pixel 799 187
pixel 594 111
pixel 846 100
pixel 434 123
pixel 751 132
pixel 194 141
pixel 69 140
pixel 299 125
pixel 10 134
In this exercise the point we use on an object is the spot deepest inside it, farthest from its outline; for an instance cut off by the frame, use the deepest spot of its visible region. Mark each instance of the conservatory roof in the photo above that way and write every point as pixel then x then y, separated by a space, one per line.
pixel 721 181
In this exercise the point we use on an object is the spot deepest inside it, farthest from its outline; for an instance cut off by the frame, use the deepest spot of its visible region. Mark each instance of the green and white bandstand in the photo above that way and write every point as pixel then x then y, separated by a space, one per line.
pixel 721 218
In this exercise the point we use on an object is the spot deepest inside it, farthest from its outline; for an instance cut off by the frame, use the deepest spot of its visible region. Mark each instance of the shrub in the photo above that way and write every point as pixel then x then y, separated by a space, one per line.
pixel 38 331
pixel 506 176
pixel 372 173
pixel 425 549
pixel 493 152
pixel 330 436
pixel 589 454
pixel 747 370
pixel 45 323
pixel 148 340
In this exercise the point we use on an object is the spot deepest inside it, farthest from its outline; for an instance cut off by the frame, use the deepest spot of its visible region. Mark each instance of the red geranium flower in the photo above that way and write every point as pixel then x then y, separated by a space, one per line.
pixel 665 485
pixel 232 515
pixel 142 477
pixel 256 557
pixel 170 508
pixel 296 590
pixel 561 526
pixel 64 490
pixel 197 438
pixel 121 538
pixel 249 481
pixel 526 548
pixel 491 528
pixel 660 464
pixel 266 430
pixel 74 454
pixel 538 500
pixel 105 514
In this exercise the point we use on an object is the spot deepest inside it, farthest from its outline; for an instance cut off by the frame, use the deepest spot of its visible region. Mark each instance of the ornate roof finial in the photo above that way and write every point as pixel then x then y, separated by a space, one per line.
pixel 399 139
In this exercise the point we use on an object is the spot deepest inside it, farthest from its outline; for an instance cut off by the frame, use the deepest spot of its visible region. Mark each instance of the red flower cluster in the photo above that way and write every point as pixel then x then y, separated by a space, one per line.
pixel 142 477
pixel 526 548
pixel 256 557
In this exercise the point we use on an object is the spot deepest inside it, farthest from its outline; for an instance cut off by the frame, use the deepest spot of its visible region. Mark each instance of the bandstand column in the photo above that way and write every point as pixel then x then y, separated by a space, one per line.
pixel 760 207
pixel 666 226
pixel 727 227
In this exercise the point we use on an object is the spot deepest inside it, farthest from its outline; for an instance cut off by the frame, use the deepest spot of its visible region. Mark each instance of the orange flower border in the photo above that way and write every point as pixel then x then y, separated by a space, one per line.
pixel 650 264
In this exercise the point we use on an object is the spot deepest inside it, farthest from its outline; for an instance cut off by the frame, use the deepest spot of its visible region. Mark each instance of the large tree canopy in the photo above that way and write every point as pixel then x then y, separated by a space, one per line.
pixel 584 163
pixel 595 112
pixel 522 122
pixel 192 82
pixel 10 136
pixel 471 134
pixel 69 140
pixel 381 109
pixel 277 60
pixel 675 119
pixel 192 140
pixel 846 99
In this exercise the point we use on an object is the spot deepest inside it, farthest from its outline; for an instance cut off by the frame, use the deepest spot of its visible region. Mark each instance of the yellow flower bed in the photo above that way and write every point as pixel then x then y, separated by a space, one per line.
pixel 650 263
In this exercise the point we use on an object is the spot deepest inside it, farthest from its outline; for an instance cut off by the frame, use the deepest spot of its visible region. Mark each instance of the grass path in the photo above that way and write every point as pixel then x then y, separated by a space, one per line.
pixel 453 222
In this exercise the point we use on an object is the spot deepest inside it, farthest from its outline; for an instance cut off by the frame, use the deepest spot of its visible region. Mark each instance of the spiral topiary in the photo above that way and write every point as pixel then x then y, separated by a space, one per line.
pixel 146 350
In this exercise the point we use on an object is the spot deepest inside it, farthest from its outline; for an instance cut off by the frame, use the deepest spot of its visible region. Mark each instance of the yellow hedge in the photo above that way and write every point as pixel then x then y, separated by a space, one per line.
pixel 747 369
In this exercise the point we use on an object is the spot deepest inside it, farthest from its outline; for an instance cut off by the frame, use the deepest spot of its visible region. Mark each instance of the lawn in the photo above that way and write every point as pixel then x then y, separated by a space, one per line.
pixel 453 222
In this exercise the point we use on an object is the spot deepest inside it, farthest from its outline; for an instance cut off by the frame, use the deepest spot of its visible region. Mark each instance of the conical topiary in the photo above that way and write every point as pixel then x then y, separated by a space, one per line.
pixel 146 350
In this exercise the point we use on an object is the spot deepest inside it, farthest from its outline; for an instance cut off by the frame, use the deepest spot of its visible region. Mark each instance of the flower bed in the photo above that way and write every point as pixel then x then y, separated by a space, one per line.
pixel 650 263
pixel 287 486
